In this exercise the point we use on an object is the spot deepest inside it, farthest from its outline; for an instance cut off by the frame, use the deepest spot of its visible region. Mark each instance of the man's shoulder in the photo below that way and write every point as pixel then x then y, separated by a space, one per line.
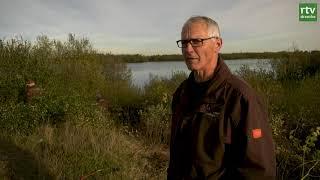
pixel 238 85
pixel 241 93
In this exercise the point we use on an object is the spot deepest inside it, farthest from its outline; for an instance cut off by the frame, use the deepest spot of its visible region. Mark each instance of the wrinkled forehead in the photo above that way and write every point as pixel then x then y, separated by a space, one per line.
pixel 194 30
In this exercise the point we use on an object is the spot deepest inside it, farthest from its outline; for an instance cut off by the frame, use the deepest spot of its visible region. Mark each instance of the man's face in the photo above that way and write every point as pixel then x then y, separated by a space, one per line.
pixel 199 58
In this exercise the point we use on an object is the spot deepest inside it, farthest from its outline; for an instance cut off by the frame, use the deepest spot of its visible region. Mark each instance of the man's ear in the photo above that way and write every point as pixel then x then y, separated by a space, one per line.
pixel 219 43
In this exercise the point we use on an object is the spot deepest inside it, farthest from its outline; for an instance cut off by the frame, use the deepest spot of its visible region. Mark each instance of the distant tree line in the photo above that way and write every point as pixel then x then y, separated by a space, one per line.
pixel 134 58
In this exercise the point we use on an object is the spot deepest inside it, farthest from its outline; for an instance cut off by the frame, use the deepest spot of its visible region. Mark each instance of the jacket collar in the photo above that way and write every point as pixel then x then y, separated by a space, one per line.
pixel 221 73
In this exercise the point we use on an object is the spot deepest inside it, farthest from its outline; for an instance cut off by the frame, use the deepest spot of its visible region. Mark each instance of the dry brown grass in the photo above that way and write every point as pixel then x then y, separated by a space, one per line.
pixel 84 151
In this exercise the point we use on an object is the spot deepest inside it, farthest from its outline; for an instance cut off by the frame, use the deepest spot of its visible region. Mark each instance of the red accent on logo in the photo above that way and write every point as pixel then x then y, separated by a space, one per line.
pixel 256 133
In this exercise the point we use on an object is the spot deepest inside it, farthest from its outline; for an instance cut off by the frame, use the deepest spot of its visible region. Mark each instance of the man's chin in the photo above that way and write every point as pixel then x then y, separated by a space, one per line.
pixel 191 67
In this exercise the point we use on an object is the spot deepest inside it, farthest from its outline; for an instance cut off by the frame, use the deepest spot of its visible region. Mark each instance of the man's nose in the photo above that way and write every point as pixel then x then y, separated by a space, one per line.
pixel 188 48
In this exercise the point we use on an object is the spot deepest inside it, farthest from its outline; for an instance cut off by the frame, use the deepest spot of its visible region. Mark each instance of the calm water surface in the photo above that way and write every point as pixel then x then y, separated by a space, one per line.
pixel 141 72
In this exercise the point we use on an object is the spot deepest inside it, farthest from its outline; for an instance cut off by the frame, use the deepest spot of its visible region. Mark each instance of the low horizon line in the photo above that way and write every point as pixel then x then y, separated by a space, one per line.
pixel 241 52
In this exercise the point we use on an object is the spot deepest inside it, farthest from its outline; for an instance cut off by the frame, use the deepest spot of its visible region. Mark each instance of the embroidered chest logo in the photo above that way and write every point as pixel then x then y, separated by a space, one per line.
pixel 211 109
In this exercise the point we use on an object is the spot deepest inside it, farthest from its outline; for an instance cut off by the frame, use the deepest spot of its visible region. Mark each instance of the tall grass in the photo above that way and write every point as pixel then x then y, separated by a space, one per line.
pixel 74 151
pixel 155 117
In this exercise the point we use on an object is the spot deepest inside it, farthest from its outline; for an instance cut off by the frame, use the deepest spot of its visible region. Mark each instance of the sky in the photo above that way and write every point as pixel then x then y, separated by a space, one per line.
pixel 152 27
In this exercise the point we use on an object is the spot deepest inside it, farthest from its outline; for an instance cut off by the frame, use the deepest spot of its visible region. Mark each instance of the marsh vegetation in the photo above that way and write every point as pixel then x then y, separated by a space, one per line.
pixel 69 112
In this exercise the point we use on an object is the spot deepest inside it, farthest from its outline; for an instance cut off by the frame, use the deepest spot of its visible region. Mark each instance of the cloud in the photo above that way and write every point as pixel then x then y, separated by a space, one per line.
pixel 152 27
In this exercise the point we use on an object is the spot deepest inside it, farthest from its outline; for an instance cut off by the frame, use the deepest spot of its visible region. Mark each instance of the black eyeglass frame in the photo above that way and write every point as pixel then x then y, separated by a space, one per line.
pixel 184 43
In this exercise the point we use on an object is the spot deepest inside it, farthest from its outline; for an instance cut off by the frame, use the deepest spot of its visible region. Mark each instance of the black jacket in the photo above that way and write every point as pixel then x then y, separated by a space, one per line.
pixel 222 133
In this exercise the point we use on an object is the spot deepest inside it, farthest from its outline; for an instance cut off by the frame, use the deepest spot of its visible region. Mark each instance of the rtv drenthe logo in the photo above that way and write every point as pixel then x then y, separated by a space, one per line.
pixel 308 12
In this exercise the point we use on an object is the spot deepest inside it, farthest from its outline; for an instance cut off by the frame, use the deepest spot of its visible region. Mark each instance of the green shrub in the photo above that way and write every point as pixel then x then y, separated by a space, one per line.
pixel 68 74
pixel 154 124
pixel 155 90
pixel 297 65
pixel 293 109
pixel 156 113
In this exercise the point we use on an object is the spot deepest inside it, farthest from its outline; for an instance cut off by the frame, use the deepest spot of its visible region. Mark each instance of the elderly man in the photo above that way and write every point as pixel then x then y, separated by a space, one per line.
pixel 219 125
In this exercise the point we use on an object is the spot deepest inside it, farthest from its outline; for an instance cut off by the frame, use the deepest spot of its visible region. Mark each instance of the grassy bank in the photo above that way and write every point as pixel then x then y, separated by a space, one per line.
pixel 83 118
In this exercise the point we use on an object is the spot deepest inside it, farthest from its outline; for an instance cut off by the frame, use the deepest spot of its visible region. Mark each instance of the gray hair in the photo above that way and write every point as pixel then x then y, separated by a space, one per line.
pixel 212 26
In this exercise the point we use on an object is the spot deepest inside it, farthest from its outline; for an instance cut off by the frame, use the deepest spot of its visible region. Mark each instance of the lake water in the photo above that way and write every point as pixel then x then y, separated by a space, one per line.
pixel 141 72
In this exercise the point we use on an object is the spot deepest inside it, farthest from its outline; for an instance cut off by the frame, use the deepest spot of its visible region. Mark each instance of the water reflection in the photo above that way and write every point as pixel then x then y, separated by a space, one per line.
pixel 141 72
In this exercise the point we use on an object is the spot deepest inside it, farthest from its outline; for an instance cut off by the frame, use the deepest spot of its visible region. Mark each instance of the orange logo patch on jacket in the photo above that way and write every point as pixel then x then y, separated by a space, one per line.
pixel 256 133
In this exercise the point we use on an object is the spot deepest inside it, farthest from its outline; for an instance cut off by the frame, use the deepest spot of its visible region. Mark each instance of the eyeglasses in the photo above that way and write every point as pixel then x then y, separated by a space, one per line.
pixel 194 42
